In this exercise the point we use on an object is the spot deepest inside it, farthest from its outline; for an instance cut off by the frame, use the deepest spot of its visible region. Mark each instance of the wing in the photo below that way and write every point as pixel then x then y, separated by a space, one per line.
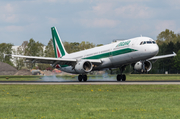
pixel 162 56
pixel 53 61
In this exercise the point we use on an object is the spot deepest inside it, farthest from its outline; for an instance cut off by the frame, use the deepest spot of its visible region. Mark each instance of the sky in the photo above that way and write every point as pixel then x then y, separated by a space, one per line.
pixel 96 21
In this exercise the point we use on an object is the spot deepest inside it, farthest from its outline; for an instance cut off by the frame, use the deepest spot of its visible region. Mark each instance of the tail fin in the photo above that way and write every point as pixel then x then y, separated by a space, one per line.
pixel 58 45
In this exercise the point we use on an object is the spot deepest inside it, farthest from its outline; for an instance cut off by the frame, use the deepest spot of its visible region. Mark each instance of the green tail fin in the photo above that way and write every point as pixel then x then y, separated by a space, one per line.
pixel 58 45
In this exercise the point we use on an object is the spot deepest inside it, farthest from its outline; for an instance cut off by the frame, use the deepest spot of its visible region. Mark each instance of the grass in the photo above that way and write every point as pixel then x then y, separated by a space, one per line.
pixel 129 77
pixel 152 77
pixel 89 101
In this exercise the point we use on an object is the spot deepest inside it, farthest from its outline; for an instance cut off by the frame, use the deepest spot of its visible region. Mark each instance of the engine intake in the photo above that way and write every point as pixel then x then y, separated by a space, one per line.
pixel 139 66
pixel 83 67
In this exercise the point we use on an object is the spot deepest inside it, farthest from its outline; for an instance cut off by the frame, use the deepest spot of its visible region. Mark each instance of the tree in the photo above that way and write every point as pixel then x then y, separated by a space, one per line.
pixel 167 36
pixel 19 62
pixel 99 45
pixel 89 45
pixel 22 48
pixel 168 42
pixel 71 47
pixel 177 61
pixel 49 51
pixel 33 49
pixel 67 46
pixel 6 48
pixel 75 46
pixel 85 45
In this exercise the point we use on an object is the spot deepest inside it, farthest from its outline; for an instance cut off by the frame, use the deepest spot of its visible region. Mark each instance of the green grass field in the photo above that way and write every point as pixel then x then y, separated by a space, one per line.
pixel 89 101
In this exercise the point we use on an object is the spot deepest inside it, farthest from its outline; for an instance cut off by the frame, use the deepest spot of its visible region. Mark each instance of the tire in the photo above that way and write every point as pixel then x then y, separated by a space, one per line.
pixel 123 77
pixel 80 77
pixel 118 77
pixel 84 78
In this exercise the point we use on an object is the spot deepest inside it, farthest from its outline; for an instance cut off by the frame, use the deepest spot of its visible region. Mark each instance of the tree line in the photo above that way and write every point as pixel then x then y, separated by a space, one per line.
pixel 33 48
pixel 167 41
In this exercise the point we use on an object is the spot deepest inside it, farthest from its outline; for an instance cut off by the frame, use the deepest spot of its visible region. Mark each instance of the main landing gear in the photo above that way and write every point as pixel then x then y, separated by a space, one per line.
pixel 121 77
pixel 82 77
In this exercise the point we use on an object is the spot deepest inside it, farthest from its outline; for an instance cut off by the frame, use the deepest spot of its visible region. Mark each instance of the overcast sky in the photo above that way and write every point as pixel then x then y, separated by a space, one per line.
pixel 97 21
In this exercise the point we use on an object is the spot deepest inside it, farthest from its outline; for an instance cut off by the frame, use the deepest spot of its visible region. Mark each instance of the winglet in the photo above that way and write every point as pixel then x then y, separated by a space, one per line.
pixel 6 55
pixel 174 53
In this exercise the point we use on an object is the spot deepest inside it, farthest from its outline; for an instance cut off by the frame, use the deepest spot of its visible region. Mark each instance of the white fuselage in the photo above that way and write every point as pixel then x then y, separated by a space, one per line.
pixel 117 54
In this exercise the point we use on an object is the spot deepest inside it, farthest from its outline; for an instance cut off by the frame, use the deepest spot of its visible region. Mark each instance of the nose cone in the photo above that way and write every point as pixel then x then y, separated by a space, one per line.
pixel 154 49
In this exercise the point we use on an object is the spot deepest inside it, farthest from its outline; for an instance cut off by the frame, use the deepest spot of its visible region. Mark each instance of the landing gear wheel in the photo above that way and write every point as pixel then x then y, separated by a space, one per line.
pixel 119 77
pixel 84 78
pixel 80 77
pixel 123 77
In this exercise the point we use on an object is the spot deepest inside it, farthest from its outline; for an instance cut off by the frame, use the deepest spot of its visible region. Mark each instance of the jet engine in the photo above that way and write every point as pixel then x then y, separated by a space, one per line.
pixel 139 66
pixel 83 67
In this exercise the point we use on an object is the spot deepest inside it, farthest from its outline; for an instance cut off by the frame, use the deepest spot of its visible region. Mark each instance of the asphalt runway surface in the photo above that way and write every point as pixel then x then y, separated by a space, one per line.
pixel 91 82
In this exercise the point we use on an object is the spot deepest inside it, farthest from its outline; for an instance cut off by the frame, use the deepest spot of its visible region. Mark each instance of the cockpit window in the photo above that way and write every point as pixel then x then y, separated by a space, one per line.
pixel 147 42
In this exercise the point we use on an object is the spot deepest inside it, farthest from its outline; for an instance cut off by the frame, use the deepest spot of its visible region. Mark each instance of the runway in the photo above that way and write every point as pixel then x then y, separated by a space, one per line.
pixel 97 82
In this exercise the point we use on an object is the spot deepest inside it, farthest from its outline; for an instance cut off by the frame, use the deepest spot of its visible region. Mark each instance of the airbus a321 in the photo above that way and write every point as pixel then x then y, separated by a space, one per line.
pixel 138 51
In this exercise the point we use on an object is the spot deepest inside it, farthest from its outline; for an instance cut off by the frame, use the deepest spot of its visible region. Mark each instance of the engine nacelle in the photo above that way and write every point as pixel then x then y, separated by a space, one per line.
pixel 83 67
pixel 139 66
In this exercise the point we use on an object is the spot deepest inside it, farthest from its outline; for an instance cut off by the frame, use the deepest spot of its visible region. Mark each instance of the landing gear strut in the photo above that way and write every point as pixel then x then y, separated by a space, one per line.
pixel 144 70
pixel 121 77
pixel 82 77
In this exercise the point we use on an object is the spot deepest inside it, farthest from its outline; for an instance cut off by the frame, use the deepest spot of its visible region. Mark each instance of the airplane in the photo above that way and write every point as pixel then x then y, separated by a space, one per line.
pixel 139 52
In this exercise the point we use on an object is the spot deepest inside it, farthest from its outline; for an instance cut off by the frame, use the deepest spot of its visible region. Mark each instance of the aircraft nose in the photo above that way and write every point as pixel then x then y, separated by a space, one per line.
pixel 155 49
